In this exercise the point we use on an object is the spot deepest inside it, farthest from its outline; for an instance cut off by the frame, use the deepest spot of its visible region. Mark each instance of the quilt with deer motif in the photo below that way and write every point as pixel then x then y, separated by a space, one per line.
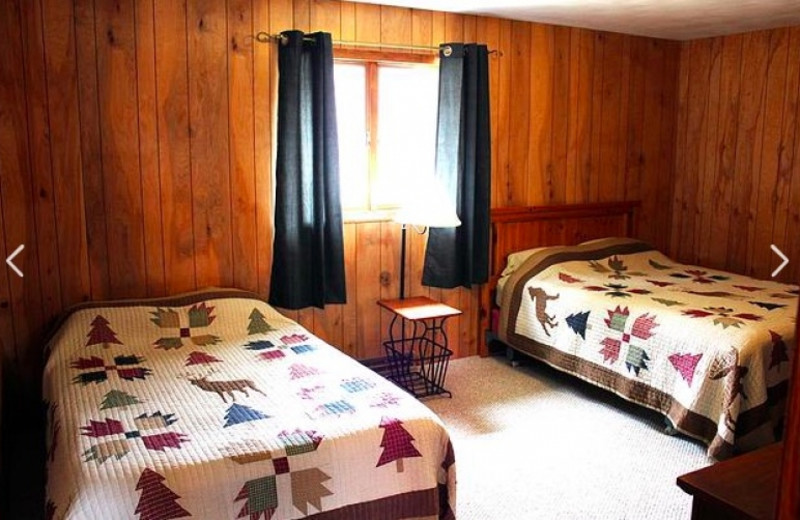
pixel 709 349
pixel 214 405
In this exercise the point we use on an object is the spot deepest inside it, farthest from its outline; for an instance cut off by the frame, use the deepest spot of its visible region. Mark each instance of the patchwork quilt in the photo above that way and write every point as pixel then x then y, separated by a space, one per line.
pixel 213 405
pixel 711 350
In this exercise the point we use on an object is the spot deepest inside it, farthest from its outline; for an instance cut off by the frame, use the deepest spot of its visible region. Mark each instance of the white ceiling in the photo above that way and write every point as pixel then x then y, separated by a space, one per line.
pixel 671 19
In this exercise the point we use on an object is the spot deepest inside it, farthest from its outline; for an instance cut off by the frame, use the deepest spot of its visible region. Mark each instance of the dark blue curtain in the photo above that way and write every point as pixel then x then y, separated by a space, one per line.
pixel 460 256
pixel 308 252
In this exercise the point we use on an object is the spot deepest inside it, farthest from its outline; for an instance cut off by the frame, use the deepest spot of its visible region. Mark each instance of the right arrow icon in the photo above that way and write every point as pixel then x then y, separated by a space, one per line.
pixel 782 257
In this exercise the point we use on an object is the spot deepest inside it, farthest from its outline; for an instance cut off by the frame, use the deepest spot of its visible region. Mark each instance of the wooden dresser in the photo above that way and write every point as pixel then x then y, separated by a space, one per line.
pixel 745 487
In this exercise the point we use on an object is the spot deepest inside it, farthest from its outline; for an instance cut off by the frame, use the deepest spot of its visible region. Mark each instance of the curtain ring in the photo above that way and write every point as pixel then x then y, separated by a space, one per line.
pixel 447 51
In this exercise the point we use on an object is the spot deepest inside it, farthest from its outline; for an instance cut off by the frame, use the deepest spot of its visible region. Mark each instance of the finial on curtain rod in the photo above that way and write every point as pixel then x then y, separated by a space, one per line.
pixel 265 37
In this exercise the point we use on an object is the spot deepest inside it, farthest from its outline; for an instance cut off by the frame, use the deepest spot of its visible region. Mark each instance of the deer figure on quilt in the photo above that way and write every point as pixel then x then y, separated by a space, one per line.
pixel 223 387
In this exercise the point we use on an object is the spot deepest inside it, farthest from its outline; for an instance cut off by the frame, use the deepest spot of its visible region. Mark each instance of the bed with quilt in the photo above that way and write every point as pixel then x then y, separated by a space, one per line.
pixel 709 349
pixel 214 405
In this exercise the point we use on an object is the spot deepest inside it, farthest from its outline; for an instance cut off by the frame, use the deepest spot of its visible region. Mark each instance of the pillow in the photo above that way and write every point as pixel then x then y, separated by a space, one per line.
pixel 517 259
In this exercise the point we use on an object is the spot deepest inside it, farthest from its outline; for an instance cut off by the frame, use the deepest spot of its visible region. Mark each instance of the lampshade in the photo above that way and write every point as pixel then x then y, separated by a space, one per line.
pixel 427 206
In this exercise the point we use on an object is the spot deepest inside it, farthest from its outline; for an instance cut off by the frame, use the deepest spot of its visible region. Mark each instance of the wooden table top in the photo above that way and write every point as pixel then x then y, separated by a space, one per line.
pixel 419 308
pixel 746 486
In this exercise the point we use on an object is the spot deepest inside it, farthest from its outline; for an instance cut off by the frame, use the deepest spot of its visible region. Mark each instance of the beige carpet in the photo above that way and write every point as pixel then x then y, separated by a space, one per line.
pixel 533 443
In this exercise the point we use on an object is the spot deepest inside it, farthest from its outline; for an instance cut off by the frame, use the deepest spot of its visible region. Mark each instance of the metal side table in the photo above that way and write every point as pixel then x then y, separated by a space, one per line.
pixel 417 351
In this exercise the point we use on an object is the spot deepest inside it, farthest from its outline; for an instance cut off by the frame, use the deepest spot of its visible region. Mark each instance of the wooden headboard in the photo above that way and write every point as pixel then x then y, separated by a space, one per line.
pixel 519 228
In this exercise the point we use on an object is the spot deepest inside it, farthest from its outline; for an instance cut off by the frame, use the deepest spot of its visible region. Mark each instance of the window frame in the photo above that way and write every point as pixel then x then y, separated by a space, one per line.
pixel 371 60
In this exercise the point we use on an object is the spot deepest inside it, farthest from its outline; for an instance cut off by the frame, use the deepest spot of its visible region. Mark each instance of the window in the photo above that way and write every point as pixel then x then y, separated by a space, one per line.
pixel 387 127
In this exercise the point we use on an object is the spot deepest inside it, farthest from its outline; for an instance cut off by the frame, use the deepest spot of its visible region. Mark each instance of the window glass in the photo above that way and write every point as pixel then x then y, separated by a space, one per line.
pixel 407 105
pixel 387 131
pixel 351 110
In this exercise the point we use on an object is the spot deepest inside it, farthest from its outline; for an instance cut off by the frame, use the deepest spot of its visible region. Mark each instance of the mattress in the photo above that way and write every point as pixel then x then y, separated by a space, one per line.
pixel 709 349
pixel 214 405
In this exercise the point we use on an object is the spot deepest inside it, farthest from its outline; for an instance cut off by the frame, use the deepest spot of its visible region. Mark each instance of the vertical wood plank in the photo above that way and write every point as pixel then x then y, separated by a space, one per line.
pixel 649 158
pixel 470 28
pixel 597 124
pixel 368 23
pixel 666 166
pixel 453 27
pixel 327 16
pixel 91 149
pixel 209 122
pixel 636 111
pixel 241 139
pixel 501 179
pixel 697 123
pixel 610 142
pixel 678 205
pixel 726 148
pixel 172 91
pixel 520 117
pixel 748 145
pixel 395 25
pixel 540 114
pixel 389 282
pixel 438 27
pixel 148 148
pixel 585 111
pixel 65 151
pixel 571 170
pixel 561 114
pixel 119 110
pixel 622 130
pixel 348 21
pixel 706 196
pixel 368 272
pixel 302 15
pixel 421 27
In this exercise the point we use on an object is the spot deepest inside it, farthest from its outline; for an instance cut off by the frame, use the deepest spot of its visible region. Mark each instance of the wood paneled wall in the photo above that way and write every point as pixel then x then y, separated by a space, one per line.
pixel 136 142
pixel 737 163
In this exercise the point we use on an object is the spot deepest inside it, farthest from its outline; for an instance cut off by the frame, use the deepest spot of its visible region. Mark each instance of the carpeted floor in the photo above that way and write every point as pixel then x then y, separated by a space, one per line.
pixel 533 443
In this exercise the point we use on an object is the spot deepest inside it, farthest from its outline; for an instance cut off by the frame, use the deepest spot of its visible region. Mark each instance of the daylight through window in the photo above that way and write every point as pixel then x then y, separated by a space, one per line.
pixel 387 130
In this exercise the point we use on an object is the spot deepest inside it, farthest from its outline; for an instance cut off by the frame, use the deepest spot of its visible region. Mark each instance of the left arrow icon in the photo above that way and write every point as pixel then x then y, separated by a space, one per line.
pixel 11 257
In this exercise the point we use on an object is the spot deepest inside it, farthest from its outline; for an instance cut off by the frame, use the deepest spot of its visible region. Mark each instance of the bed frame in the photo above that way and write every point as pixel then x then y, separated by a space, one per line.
pixel 519 228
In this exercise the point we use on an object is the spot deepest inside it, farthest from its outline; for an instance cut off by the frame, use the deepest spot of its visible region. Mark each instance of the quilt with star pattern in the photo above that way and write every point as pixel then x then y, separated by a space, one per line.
pixel 214 405
pixel 709 349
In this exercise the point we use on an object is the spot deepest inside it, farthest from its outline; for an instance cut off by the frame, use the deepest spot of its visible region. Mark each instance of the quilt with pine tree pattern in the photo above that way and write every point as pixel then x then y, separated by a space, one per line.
pixel 214 405
pixel 710 350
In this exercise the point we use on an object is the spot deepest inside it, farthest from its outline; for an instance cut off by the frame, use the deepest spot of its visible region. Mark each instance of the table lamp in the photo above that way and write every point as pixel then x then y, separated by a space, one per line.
pixel 427 207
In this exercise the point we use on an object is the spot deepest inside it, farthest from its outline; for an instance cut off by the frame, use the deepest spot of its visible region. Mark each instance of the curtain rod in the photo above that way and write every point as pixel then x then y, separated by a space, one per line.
pixel 264 37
